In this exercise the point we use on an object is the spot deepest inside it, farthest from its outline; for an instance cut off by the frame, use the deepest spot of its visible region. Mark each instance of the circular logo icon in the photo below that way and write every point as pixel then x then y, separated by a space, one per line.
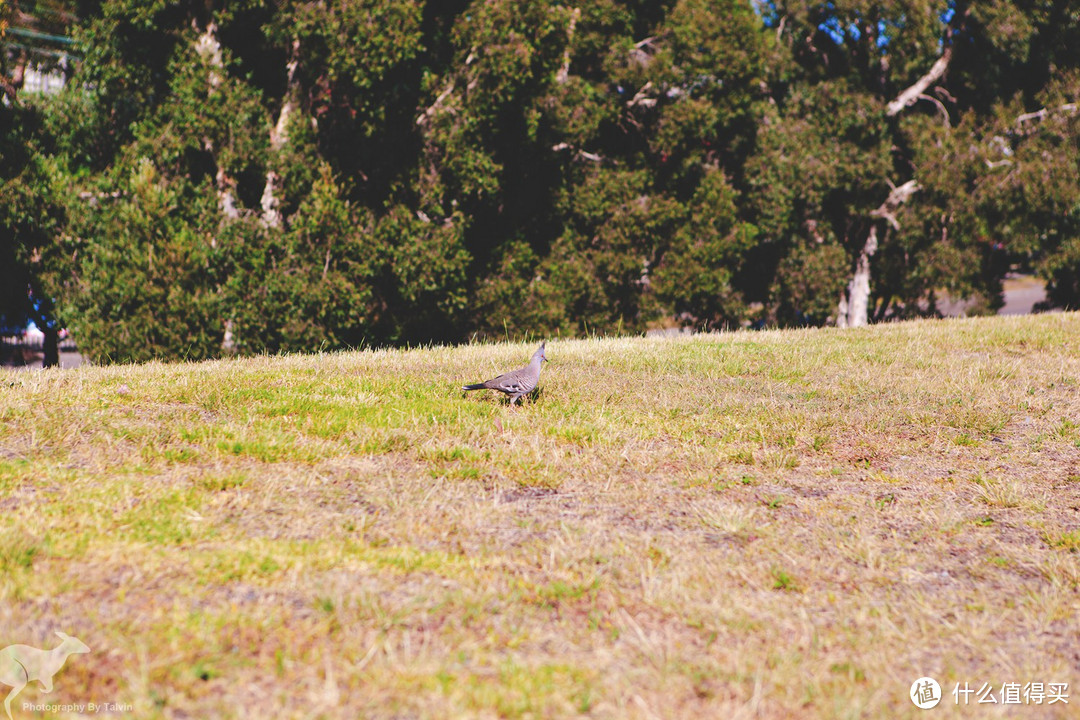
pixel 925 693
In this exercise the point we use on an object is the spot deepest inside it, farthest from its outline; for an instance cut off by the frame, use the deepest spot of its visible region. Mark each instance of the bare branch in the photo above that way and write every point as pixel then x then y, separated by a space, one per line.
pixel 945 94
pixel 640 98
pixel 640 52
pixel 434 107
pixel 1031 117
pixel 1027 121
pixel 1002 146
pixel 579 153
pixel 940 107
pixel 93 197
pixel 913 93
pixel 897 197
pixel 900 194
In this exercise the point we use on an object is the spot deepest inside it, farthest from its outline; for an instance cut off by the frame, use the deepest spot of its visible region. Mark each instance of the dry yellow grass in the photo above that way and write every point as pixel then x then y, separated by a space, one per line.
pixel 774 524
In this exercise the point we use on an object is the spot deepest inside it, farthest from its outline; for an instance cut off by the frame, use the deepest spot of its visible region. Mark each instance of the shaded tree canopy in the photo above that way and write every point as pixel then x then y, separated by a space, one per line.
pixel 253 176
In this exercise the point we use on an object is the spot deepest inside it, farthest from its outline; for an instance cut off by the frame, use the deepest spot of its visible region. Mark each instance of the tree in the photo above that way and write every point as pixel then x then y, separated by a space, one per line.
pixel 30 211
pixel 30 218
pixel 941 82
pixel 647 114
pixel 275 176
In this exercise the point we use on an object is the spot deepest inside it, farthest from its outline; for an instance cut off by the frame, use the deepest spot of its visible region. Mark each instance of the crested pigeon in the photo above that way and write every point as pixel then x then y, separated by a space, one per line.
pixel 516 383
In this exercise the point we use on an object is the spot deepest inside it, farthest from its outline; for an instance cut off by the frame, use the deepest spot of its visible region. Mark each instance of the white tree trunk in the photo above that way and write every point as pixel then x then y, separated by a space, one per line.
pixel 279 137
pixel 209 49
pixel 228 342
pixel 854 307
pixel 226 200
pixel 842 310
pixel 564 71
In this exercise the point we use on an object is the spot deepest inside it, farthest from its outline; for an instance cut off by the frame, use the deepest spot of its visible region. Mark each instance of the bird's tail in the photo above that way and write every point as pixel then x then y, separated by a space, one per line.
pixel 477 386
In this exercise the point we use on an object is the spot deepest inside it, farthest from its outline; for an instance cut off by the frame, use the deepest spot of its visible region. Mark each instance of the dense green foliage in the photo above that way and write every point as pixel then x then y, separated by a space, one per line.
pixel 257 176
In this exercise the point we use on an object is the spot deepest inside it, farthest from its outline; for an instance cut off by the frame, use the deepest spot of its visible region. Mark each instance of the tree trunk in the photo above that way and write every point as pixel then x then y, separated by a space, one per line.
pixel 12 85
pixel 51 346
pixel 209 49
pixel 854 307
pixel 564 71
pixel 226 201
pixel 279 136
pixel 855 303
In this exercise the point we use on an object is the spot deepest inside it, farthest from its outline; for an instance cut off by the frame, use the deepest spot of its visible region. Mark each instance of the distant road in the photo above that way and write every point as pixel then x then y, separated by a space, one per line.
pixel 1022 294
pixel 21 356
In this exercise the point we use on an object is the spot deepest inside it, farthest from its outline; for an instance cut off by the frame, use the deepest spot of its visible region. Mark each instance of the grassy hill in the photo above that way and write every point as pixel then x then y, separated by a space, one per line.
pixel 773 524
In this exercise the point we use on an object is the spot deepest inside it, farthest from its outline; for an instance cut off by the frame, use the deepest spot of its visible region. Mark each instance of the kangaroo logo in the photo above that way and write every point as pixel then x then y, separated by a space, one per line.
pixel 19 664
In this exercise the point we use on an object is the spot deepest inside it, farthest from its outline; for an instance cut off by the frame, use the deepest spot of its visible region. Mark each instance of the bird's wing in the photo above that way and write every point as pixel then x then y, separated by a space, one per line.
pixel 518 381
